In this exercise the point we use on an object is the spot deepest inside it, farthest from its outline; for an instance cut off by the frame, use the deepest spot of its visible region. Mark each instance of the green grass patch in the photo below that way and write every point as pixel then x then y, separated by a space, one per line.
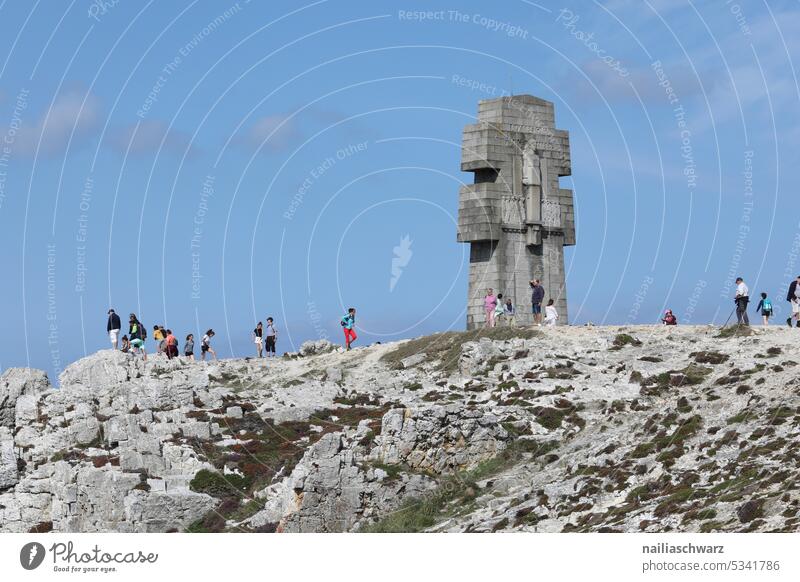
pixel 709 357
pixel 446 347
pixel 735 331
pixel 454 492
pixel 624 339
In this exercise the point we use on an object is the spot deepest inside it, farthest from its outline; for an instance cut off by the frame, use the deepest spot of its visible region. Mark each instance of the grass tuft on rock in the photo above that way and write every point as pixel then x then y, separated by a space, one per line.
pixel 735 331
pixel 446 347
pixel 419 514
pixel 624 339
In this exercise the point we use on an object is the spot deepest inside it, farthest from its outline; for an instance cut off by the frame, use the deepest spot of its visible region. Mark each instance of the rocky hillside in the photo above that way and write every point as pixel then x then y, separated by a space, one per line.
pixel 566 429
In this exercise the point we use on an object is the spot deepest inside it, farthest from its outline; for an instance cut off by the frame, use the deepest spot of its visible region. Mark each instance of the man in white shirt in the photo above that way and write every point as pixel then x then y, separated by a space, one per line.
pixel 742 299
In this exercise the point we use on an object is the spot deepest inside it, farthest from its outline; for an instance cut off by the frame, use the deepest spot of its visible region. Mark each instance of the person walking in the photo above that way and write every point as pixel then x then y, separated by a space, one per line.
pixel 742 298
pixel 258 338
pixel 793 297
pixel 158 337
pixel 272 337
pixel 509 314
pixel 188 347
pixel 112 327
pixel 537 296
pixel 171 345
pixel 499 310
pixel 489 305
pixel 138 334
pixel 205 345
pixel 551 315
pixel 348 325
pixel 765 307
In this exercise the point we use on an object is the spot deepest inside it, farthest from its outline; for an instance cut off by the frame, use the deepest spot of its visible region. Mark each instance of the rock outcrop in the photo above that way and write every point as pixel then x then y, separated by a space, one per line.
pixel 566 429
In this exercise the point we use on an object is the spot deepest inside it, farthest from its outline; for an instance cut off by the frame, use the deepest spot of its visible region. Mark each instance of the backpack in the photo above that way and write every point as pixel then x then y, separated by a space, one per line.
pixel 142 332
pixel 766 306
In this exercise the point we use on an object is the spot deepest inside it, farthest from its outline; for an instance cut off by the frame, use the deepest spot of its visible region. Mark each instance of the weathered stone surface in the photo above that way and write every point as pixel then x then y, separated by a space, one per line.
pixel 412 361
pixel 330 490
pixel 312 348
pixel 9 475
pixel 159 511
pixel 440 439
pixel 16 382
pixel 557 425
pixel 515 216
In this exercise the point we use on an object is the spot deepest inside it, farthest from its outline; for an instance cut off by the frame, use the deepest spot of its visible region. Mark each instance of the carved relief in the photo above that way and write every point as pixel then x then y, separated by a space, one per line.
pixel 513 210
pixel 551 214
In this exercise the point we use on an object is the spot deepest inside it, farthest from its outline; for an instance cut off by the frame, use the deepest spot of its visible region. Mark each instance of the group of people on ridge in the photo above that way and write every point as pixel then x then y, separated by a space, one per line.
pixel 741 300
pixel 166 342
pixel 498 310
pixel 270 334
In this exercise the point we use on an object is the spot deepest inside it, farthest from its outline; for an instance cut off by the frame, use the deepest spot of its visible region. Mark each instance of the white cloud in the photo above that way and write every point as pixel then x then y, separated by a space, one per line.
pixel 146 137
pixel 273 134
pixel 70 121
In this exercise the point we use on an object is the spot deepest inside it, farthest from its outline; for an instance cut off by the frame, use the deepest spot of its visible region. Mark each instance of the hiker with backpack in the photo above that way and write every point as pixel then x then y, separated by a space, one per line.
pixel 489 305
pixel 742 298
pixel 669 318
pixel 158 337
pixel 112 327
pixel 137 334
pixel 171 345
pixel 348 323
pixel 272 337
pixel 793 297
pixel 765 307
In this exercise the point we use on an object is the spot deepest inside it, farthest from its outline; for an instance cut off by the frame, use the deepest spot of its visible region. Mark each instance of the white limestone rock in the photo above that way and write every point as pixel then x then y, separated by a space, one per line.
pixel 16 382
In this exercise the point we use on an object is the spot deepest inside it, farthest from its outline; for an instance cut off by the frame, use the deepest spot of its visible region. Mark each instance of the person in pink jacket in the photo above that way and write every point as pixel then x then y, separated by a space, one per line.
pixel 489 305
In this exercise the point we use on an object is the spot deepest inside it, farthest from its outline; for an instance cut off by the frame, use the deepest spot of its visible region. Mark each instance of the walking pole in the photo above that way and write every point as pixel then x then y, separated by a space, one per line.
pixel 729 317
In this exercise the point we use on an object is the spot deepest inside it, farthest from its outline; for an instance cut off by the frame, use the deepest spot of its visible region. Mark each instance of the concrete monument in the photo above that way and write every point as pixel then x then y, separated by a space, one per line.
pixel 515 216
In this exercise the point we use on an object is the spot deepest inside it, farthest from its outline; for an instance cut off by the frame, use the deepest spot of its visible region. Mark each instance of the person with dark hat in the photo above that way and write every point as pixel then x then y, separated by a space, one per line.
pixel 113 327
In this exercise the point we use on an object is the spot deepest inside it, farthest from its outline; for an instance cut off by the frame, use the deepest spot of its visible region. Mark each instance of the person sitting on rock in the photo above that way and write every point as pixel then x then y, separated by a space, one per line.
pixel 669 318
pixel 509 314
pixel 551 315
pixel 126 344
pixel 499 310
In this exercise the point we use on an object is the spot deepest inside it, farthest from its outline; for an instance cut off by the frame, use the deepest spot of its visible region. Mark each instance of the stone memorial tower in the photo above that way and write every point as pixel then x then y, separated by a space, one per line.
pixel 515 216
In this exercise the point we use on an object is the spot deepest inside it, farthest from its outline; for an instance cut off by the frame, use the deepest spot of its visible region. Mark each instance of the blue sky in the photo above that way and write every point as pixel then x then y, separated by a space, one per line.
pixel 208 164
